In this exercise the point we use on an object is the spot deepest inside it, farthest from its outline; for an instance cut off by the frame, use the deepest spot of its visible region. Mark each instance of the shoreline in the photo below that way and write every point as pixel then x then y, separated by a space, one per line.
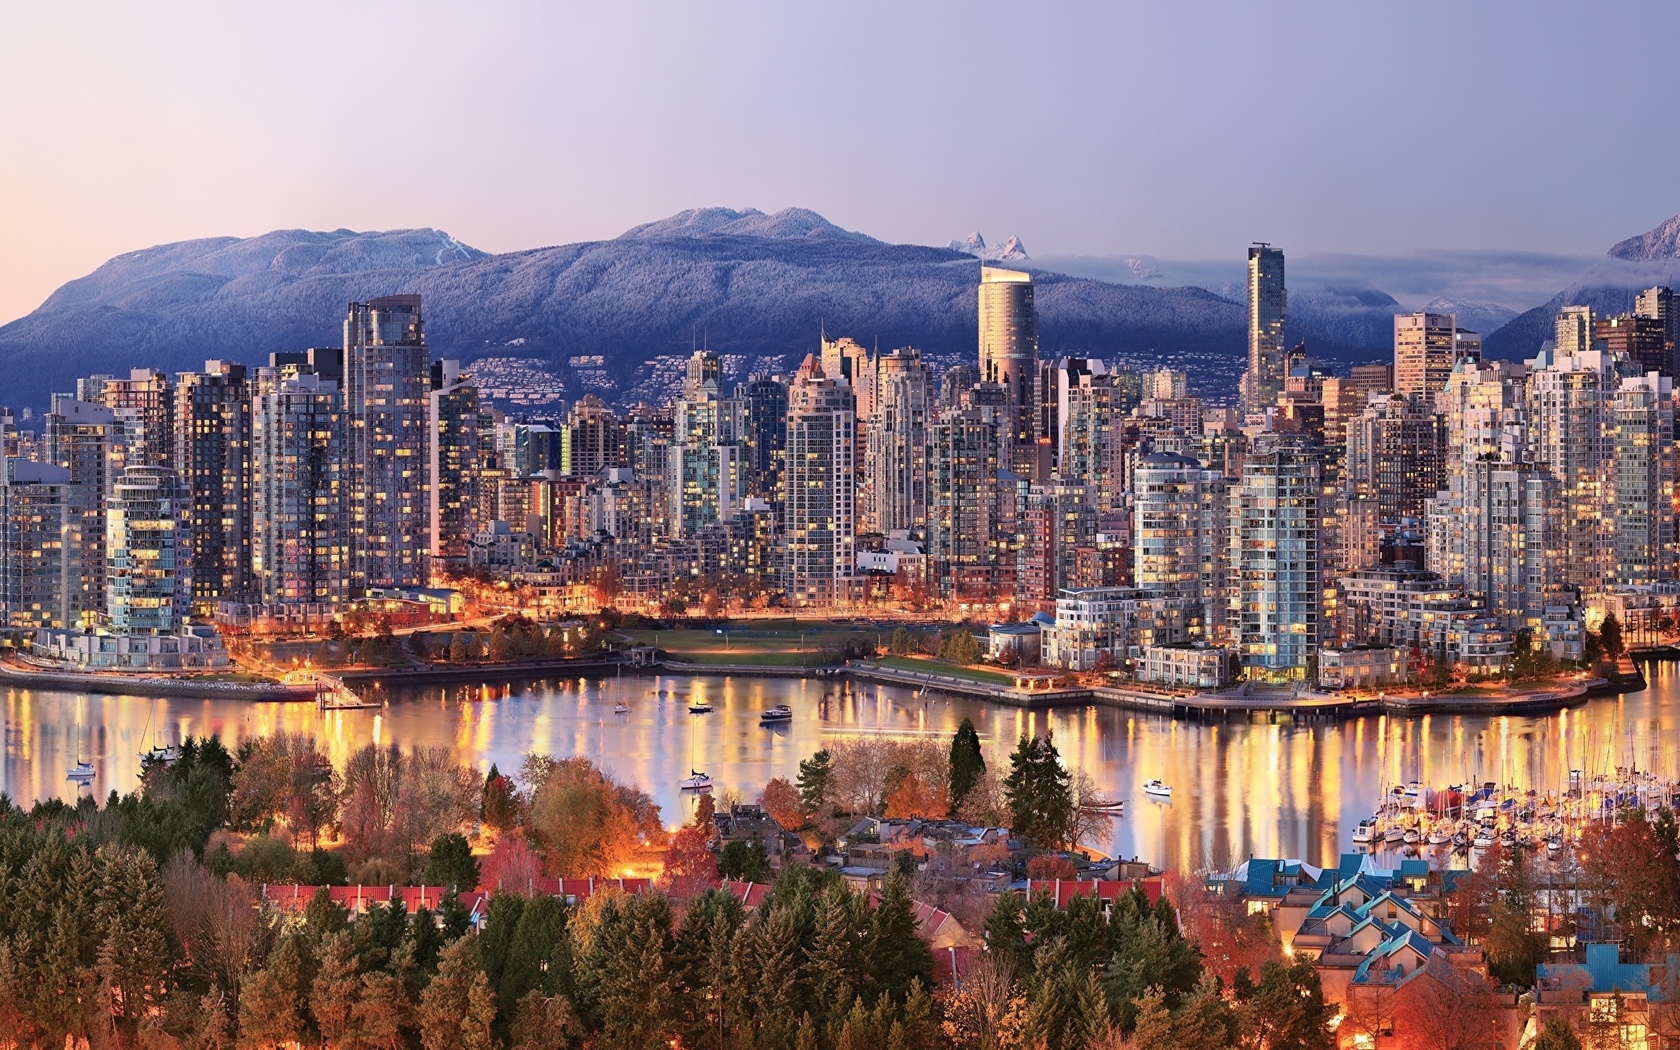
pixel 1242 701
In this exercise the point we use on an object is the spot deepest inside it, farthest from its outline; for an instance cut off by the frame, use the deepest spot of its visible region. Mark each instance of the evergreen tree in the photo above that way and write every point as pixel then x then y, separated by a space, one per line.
pixel 457 1008
pixel 1153 1027
pixel 452 863
pixel 496 941
pixel 967 763
pixel 813 782
pixel 897 954
pixel 745 861
pixel 325 916
pixel 134 953
pixel 1557 1035
pixel 832 964
pixel 1610 636
pixel 1006 933
pixel 1205 1021
pixel 538 957
pixel 631 982
pixel 1287 1010
pixel 333 995
pixel 1039 793
pixel 774 954
pixel 543 1023
pixel 382 1011
pixel 271 1003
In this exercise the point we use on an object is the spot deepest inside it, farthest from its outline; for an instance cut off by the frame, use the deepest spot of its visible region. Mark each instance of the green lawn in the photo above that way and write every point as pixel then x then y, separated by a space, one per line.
pixel 925 665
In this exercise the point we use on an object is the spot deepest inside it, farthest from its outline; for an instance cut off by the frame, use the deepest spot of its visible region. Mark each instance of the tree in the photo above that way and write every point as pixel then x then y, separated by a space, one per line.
pixel 332 995
pixel 903 643
pixel 744 861
pixel 967 763
pixel 271 1006
pixel 381 1012
pixel 543 1023
pixel 1558 1035
pixel 912 798
pixel 457 1008
pixel 587 823
pixel 500 807
pixel 452 863
pixel 134 951
pixel 1287 1010
pixel 1039 794
pixel 898 955
pixel 784 803
pixel 813 781
pixel 690 866
pixel 1610 636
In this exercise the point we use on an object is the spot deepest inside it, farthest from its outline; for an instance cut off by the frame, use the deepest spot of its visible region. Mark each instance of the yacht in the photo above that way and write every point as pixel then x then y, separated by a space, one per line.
pixel 1411 837
pixel 779 713
pixel 1440 836
pixel 699 707
pixel 621 708
pixel 1483 839
pixel 81 773
pixel 695 781
pixel 1394 835
pixel 1365 830
pixel 154 756
pixel 1156 788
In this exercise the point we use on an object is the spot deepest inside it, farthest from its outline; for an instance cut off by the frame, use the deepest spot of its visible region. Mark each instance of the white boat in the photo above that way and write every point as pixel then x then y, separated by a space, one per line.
pixel 1394 835
pixel 1483 840
pixel 153 756
pixel 1156 788
pixel 621 709
pixel 779 713
pixel 695 781
pixel 1439 837
pixel 1411 837
pixel 1364 830
pixel 699 707
pixel 1103 806
pixel 81 773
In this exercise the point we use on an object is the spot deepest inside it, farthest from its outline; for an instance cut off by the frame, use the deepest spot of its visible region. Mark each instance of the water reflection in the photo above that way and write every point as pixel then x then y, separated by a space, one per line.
pixel 1240 788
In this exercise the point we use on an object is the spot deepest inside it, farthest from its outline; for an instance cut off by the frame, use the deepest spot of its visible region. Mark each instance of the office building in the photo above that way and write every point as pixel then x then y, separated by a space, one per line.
pixel 1425 350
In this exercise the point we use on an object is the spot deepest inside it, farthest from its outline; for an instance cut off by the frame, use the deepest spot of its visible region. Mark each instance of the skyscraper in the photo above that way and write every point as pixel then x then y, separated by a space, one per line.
pixel 1009 356
pixel 594 438
pixel 299 495
pixel 1643 408
pixel 213 459
pixel 895 493
pixel 144 408
pixel 1658 305
pixel 963 500
pixel 1274 562
pixel 1425 350
pixel 705 468
pixel 37 584
pixel 84 439
pixel 452 463
pixel 386 388
pixel 821 513
pixel 147 556
pixel 765 406
pixel 1572 434
pixel 1268 303
pixel 1396 452
pixel 1181 538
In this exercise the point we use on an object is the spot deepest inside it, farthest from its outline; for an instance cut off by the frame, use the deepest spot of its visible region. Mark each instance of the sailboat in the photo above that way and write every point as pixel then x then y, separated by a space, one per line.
pixel 82 773
pixel 157 754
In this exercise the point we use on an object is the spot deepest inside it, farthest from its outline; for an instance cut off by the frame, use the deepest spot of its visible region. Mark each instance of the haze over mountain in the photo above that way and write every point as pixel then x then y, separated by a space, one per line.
pixel 758 288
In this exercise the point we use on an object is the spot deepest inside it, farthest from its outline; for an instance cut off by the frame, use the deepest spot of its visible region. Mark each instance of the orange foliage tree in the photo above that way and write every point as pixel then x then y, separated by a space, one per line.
pixel 781 800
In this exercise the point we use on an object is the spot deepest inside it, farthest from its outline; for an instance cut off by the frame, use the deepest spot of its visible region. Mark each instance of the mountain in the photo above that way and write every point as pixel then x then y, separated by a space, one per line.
pixel 1660 243
pixel 1011 250
pixel 759 286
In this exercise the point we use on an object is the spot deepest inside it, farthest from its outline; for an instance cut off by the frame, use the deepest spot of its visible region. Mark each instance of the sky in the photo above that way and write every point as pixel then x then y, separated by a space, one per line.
pixel 1180 129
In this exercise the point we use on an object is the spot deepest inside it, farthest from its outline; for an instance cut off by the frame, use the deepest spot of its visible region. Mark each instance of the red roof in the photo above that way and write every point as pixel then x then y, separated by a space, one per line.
pixel 750 894
pixel 1063 890
pixel 357 899
pixel 951 966
pixel 574 889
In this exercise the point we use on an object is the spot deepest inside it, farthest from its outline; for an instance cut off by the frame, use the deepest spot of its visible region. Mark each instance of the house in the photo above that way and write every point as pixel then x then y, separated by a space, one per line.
pixel 1020 638
pixel 294 899
pixel 752 823
pixel 1063 891
pixel 1601 989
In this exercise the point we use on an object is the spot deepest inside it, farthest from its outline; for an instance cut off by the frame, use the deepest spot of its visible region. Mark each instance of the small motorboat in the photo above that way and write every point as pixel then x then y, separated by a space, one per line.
pixel 695 781
pixel 1365 830
pixel 1483 840
pixel 699 707
pixel 1102 806
pixel 1156 788
pixel 1411 837
pixel 81 773
pixel 779 713
pixel 621 708
pixel 1394 835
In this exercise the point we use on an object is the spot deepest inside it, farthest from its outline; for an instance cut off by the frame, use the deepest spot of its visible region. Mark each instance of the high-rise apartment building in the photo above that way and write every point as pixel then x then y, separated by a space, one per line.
pixel 84 439
pixel 594 438
pixel 1572 434
pixel 895 492
pixel 1396 450
pixel 213 461
pixel 1009 356
pixel 1643 408
pixel 1641 341
pixel 1658 305
pixel 821 522
pixel 37 583
pixel 1275 562
pixel 452 449
pixel 144 408
pixel 764 404
pixel 1268 303
pixel 300 549
pixel 1181 536
pixel 147 555
pixel 963 501
pixel 1425 350
pixel 387 384
pixel 705 469
pixel 1572 332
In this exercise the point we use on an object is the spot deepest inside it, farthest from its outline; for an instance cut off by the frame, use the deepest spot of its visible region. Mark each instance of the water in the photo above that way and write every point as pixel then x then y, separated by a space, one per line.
pixel 1240 788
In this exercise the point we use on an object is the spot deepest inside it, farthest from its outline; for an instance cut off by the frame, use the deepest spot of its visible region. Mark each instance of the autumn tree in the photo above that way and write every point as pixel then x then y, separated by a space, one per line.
pixel 587 823
pixel 784 803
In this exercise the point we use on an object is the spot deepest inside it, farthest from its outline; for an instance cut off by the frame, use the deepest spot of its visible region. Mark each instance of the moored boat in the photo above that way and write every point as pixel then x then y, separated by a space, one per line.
pixel 779 713
pixel 1156 788
pixel 695 781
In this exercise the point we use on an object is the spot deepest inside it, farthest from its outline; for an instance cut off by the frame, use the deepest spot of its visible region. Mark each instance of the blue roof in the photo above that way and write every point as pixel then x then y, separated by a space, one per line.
pixel 1606 972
